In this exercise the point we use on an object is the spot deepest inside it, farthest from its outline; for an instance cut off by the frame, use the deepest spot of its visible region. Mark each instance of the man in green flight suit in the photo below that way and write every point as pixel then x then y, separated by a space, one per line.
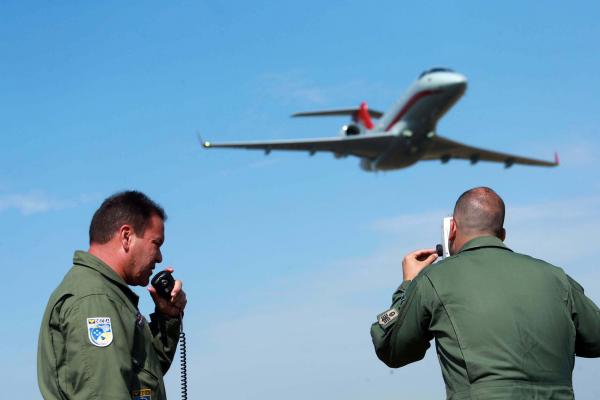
pixel 94 343
pixel 506 326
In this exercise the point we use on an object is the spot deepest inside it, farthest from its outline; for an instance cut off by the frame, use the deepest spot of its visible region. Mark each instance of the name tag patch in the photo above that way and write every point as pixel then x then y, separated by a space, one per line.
pixel 144 394
pixel 99 331
pixel 387 317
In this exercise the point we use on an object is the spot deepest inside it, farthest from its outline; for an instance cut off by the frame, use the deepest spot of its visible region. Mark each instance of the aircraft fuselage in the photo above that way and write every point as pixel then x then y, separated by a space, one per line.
pixel 413 118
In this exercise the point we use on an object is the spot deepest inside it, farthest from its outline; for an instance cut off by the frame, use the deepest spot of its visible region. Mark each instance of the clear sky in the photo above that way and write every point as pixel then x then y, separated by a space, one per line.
pixel 286 259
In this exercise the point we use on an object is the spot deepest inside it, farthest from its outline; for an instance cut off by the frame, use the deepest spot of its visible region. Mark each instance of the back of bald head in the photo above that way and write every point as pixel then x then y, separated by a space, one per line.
pixel 480 211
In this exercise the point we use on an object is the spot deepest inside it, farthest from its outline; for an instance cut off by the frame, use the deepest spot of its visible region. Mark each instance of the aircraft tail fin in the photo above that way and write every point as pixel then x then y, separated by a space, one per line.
pixel 364 116
pixel 361 114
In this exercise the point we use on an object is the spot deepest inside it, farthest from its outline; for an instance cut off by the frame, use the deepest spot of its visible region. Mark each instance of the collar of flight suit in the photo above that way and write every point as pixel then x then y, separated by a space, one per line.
pixel 85 259
pixel 484 241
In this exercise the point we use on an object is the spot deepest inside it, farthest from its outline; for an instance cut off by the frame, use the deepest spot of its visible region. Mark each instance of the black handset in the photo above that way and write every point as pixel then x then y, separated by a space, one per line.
pixel 164 282
pixel 439 249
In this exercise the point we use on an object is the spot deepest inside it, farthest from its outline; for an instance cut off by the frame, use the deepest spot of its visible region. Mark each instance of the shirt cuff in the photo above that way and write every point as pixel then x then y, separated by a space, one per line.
pixel 165 325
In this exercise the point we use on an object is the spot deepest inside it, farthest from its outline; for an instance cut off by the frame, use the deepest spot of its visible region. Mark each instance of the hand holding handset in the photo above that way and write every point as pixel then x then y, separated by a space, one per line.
pixel 443 250
pixel 164 282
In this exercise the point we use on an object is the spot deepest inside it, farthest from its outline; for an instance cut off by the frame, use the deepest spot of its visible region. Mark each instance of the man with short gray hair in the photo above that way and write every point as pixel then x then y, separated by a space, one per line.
pixel 506 325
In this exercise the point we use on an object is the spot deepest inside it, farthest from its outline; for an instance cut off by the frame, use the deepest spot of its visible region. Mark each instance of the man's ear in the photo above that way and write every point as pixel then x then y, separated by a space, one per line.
pixel 125 236
pixel 452 233
pixel 502 234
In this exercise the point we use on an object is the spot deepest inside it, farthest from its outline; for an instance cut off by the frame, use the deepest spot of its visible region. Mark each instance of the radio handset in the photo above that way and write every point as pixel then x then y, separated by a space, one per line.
pixel 164 282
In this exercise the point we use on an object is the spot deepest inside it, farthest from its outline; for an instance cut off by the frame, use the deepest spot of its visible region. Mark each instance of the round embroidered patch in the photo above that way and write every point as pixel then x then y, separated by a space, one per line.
pixel 99 331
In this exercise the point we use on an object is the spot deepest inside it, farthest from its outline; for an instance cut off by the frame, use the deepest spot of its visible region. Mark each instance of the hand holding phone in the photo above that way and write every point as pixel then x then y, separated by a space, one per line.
pixel 414 262
pixel 167 293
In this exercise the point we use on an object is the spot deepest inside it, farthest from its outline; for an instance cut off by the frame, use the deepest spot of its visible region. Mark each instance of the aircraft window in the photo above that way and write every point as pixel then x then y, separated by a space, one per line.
pixel 429 71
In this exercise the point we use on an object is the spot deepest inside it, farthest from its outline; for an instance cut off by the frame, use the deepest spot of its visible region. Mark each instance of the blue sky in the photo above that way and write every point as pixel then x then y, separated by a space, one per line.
pixel 286 259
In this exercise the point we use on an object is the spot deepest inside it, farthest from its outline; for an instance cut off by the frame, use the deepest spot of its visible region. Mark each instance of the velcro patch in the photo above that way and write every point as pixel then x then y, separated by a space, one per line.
pixel 144 394
pixel 387 317
pixel 99 331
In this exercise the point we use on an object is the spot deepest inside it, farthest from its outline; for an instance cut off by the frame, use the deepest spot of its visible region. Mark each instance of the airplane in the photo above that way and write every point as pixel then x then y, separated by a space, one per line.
pixel 402 136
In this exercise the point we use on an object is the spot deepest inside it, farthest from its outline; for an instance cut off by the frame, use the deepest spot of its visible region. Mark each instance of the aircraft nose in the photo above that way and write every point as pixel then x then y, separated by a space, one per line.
pixel 455 79
pixel 454 83
pixel 448 80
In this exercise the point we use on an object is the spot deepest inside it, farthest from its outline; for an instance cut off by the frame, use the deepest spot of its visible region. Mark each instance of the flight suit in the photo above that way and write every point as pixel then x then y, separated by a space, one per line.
pixel 506 326
pixel 95 344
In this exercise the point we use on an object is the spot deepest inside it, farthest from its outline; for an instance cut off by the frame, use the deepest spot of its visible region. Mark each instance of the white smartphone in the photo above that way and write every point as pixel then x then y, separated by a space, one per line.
pixel 445 234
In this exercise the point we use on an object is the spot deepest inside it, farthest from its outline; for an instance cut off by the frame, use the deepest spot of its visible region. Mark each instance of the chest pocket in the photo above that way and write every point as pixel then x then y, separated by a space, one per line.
pixel 145 383
pixel 146 380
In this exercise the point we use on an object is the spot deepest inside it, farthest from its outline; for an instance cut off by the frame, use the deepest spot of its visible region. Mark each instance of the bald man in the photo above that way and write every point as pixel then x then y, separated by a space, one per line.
pixel 506 326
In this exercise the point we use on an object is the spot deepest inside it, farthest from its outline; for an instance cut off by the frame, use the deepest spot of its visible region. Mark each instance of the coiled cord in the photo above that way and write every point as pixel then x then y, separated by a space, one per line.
pixel 183 360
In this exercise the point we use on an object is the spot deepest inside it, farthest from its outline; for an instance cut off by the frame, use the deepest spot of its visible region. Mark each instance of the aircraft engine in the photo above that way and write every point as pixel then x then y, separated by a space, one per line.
pixel 366 164
pixel 351 130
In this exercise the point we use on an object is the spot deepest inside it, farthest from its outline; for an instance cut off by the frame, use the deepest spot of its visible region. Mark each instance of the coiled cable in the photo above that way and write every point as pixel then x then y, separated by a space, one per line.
pixel 183 359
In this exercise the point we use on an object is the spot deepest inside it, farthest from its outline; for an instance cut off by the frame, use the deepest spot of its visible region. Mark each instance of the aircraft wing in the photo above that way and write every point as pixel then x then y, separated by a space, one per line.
pixel 338 112
pixel 368 146
pixel 445 149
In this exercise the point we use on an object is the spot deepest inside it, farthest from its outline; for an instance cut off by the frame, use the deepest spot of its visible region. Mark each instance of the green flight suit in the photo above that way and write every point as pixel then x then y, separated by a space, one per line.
pixel 83 355
pixel 506 326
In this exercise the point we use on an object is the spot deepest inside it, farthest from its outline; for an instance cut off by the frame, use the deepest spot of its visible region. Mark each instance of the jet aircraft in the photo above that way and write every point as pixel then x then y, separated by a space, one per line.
pixel 400 137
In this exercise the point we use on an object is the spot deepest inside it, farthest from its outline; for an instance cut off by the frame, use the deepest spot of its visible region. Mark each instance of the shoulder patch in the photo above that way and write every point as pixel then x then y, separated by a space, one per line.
pixel 387 317
pixel 99 331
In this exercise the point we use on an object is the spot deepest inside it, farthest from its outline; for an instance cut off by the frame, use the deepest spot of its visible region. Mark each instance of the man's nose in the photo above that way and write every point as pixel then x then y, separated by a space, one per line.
pixel 158 259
